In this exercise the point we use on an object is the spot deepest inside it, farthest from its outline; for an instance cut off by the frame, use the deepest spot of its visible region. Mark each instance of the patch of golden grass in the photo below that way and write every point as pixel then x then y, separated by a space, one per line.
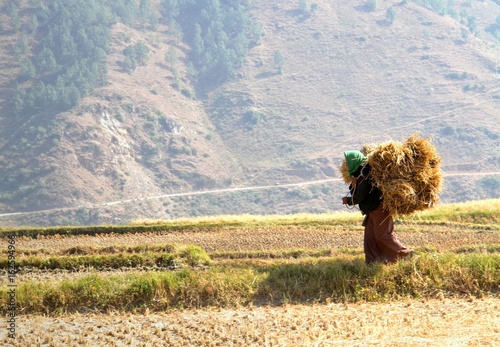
pixel 444 226
pixel 489 209
pixel 481 211
pixel 247 219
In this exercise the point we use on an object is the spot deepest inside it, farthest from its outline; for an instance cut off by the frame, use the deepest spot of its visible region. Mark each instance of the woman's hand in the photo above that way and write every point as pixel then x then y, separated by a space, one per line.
pixel 344 200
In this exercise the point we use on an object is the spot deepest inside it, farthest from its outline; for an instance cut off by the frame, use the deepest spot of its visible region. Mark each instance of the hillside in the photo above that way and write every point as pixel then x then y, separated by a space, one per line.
pixel 348 75
pixel 351 79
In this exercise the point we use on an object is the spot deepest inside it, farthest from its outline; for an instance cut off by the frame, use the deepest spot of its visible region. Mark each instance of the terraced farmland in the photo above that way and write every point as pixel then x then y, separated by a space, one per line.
pixel 258 281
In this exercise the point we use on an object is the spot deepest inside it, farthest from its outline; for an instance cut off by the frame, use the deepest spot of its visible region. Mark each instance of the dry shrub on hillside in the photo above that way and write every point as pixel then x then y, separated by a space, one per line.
pixel 408 174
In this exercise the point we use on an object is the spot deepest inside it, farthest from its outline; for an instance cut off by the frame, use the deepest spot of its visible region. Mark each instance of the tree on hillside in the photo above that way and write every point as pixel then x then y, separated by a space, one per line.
pixel 170 9
pixel 198 43
pixel 21 46
pixel 371 5
pixel 13 13
pixel 130 62
pixel 142 52
pixel 279 60
pixel 303 6
pixel 66 50
pixel 32 24
pixel 314 7
pixel 45 61
pixel 145 9
pixel 390 15
pixel 472 24
pixel 19 99
pixel 39 92
pixel 464 33
pixel 220 33
pixel 137 54
pixel 147 14
pixel 125 9
pixel 171 57
pixel 28 70
pixel 72 96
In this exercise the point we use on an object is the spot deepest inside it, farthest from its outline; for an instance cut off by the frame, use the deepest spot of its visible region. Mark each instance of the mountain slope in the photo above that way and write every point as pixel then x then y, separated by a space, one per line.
pixel 351 78
pixel 348 75
pixel 321 81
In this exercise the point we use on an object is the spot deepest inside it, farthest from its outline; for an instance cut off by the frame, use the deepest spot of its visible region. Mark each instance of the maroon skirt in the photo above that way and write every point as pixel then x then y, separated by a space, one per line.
pixel 380 241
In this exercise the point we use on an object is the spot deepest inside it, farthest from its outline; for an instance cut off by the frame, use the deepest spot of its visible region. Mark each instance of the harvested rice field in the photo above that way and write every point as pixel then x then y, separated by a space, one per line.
pixel 436 323
pixel 444 237
pixel 287 281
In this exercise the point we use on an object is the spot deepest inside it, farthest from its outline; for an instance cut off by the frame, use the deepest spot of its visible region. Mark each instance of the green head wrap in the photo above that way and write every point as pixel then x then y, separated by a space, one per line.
pixel 354 160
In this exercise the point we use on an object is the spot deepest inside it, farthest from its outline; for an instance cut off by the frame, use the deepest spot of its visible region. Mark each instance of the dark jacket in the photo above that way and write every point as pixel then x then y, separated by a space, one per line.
pixel 363 193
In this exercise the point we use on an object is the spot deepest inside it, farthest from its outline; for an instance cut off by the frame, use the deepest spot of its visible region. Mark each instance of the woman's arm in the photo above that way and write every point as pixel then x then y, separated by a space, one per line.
pixel 359 190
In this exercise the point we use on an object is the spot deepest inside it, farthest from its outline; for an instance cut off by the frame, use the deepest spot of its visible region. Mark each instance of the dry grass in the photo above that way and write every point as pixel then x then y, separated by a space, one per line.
pixel 469 212
pixel 489 209
pixel 302 218
pixel 435 322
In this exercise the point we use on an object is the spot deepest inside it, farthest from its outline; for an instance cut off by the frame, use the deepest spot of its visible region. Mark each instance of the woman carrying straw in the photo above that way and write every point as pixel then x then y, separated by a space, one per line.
pixel 380 243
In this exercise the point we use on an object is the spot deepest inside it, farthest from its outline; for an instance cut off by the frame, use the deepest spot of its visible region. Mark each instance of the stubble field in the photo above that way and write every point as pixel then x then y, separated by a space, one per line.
pixel 431 322
pixel 264 283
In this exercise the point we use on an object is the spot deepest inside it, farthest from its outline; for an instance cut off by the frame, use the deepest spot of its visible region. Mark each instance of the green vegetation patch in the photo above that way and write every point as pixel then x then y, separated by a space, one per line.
pixel 219 32
pixel 173 256
pixel 93 261
pixel 345 278
pixel 96 230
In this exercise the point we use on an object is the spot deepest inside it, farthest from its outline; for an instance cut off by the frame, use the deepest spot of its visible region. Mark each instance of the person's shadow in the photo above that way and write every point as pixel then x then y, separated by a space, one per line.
pixel 337 280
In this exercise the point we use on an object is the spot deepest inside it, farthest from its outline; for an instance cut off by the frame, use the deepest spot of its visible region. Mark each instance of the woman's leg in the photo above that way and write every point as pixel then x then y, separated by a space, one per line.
pixel 370 245
pixel 383 233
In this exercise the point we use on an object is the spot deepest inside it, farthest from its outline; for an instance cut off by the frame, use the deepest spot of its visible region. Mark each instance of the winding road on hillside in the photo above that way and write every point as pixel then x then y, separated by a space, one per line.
pixel 218 191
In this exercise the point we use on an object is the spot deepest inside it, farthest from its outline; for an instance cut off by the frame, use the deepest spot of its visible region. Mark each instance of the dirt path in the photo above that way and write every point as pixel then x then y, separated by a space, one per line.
pixel 449 322
pixel 216 191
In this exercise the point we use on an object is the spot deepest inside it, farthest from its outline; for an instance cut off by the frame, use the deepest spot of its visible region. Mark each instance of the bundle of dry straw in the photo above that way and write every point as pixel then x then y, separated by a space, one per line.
pixel 408 174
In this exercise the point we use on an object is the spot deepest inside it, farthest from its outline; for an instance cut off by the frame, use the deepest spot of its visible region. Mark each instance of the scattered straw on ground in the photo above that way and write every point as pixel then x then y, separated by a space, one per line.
pixel 445 322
